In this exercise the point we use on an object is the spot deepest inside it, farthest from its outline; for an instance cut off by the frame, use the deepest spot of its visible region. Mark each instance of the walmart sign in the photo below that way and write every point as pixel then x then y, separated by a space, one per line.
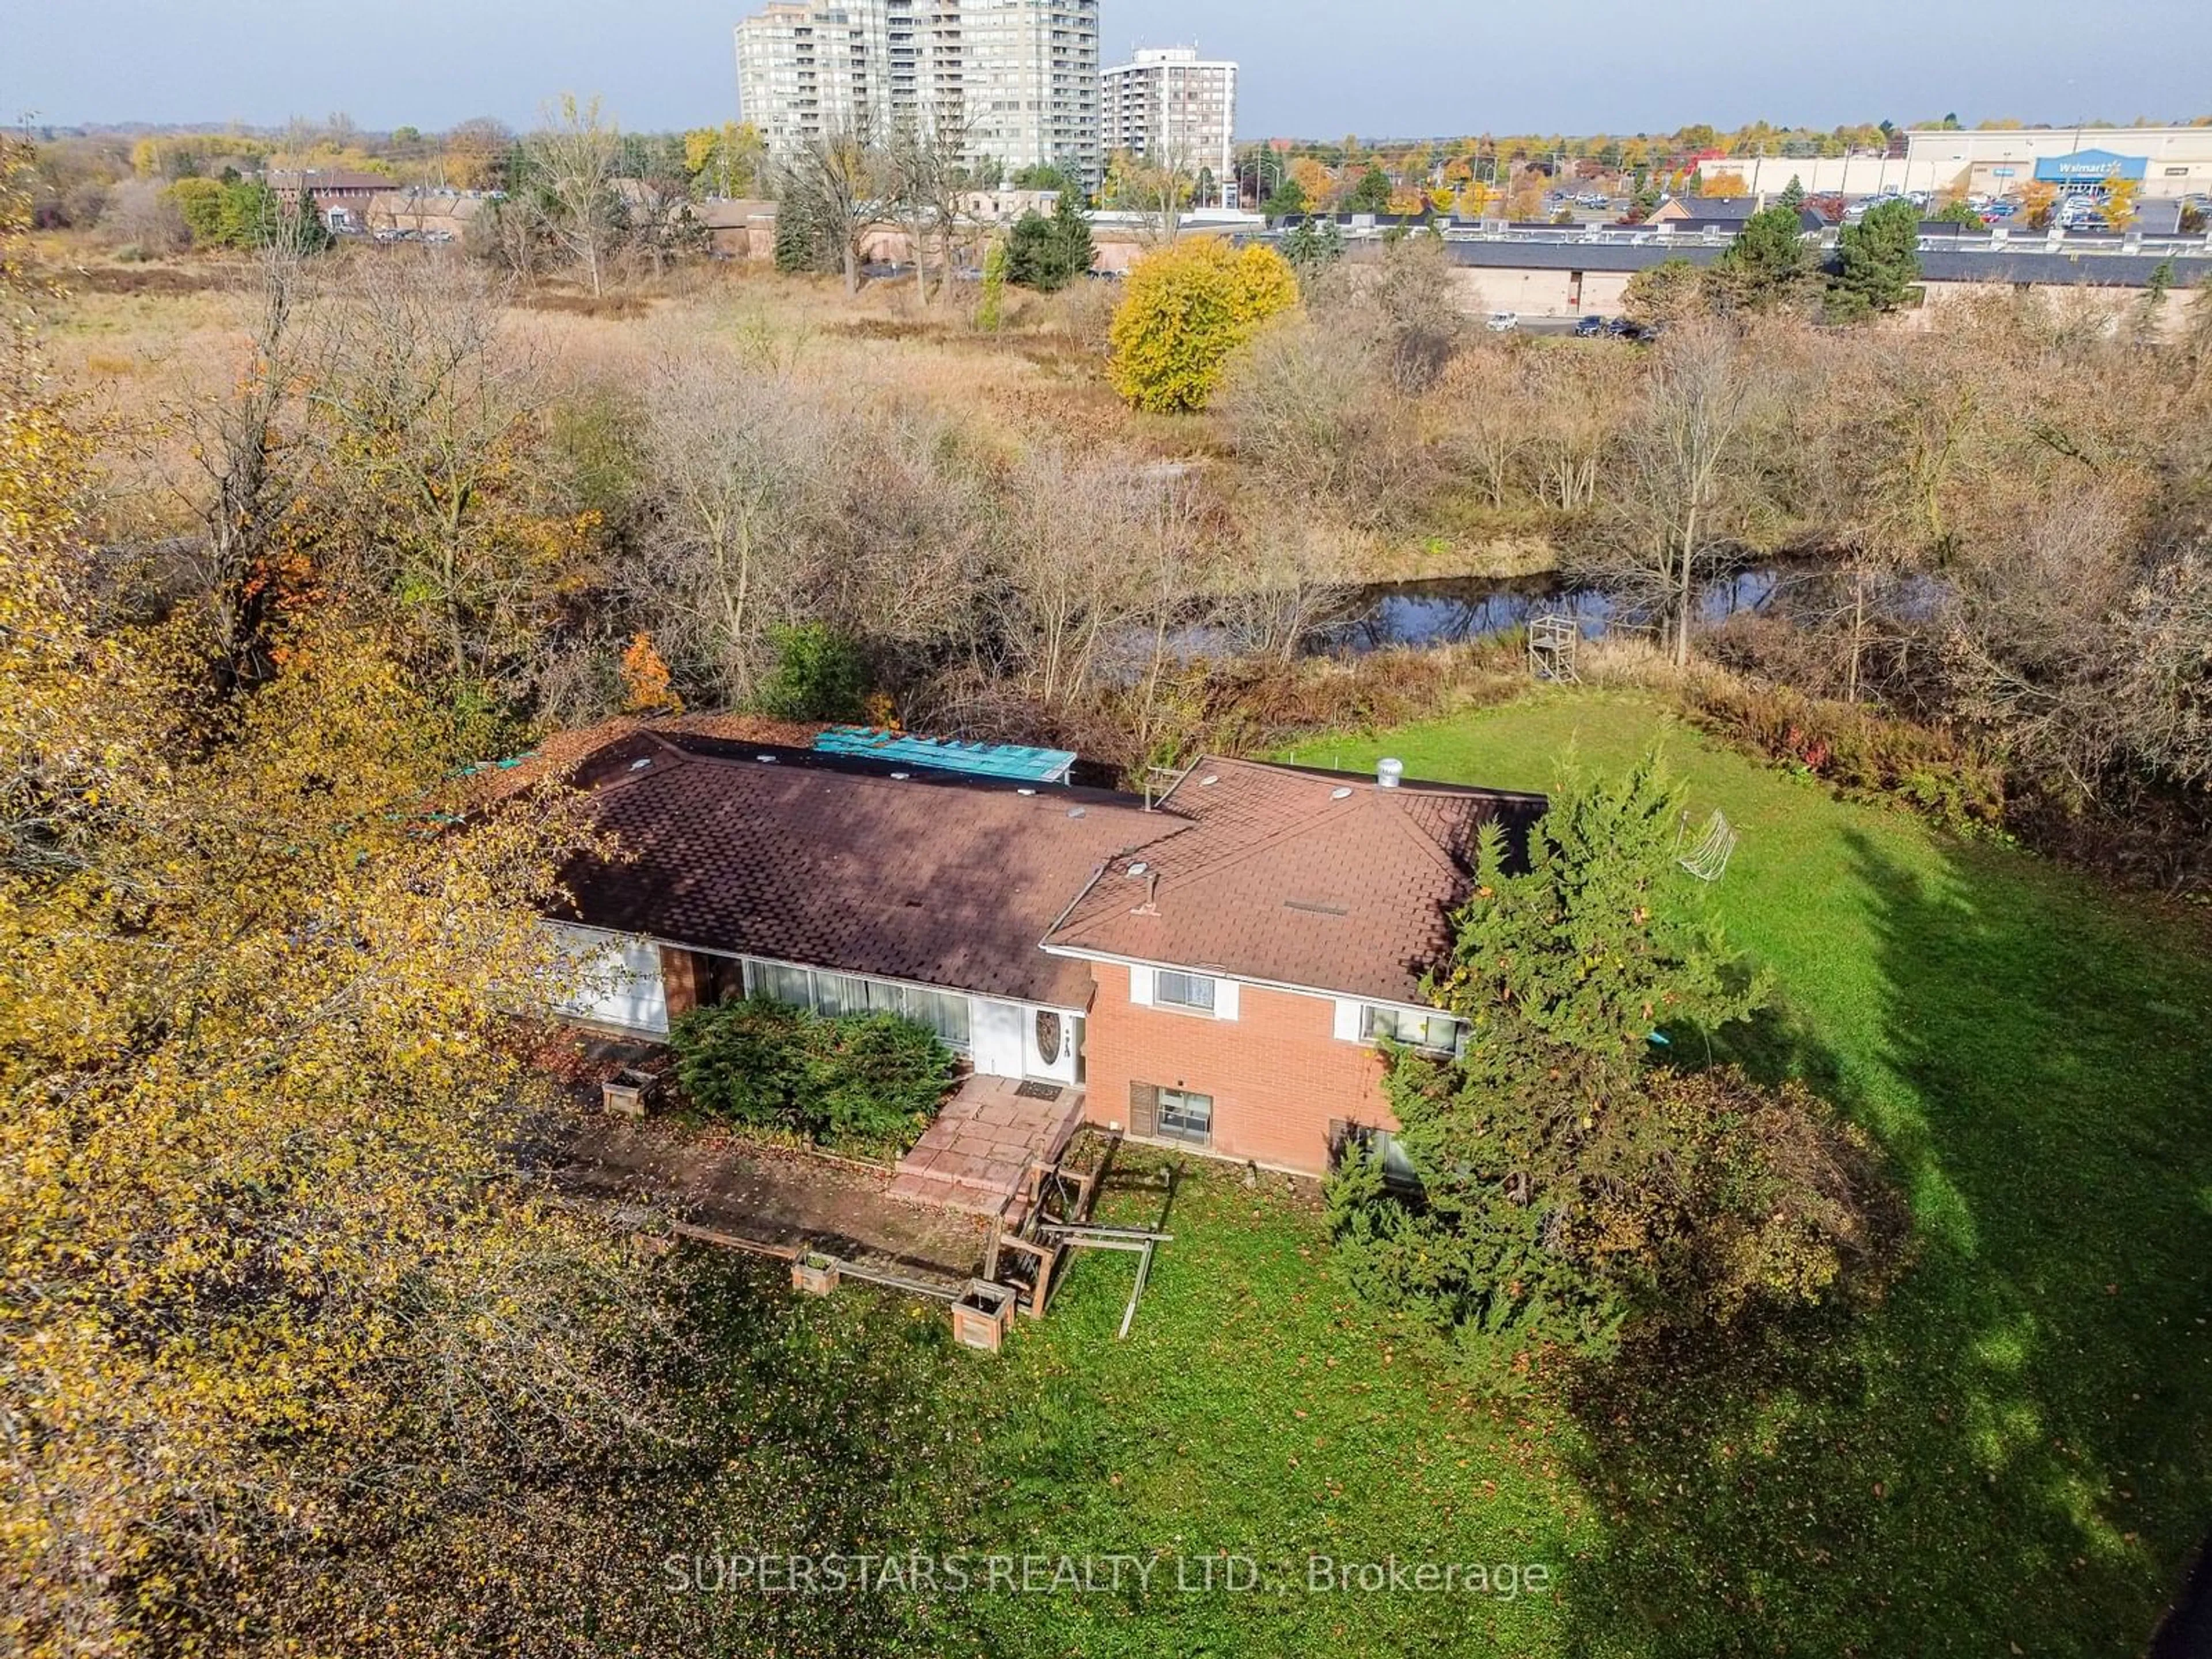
pixel 2088 167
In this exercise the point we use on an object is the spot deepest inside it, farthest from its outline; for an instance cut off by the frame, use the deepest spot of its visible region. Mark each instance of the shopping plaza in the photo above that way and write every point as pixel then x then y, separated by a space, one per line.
pixel 2165 162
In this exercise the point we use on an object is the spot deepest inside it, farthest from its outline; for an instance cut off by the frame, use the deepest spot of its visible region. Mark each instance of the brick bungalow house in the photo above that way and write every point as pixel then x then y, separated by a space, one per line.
pixel 1212 967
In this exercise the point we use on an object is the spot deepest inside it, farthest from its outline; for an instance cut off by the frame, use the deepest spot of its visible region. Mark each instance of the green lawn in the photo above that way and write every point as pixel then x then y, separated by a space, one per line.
pixel 2011 1454
pixel 1257 1411
pixel 2017 1448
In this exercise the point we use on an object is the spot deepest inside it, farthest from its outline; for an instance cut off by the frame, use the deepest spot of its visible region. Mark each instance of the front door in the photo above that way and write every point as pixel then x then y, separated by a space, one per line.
pixel 997 1041
pixel 1056 1042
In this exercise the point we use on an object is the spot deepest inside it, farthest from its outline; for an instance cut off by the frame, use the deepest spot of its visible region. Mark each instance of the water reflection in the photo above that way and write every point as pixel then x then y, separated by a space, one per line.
pixel 1447 612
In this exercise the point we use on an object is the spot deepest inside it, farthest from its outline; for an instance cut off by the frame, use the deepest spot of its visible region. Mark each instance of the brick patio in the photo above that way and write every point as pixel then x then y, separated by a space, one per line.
pixel 973 1158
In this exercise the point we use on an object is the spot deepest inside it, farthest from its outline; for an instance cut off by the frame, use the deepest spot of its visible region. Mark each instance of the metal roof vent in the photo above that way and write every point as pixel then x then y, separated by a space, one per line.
pixel 1209 780
pixel 1075 812
pixel 901 776
pixel 1342 793
pixel 1139 867
pixel 1026 792
pixel 640 765
pixel 765 760
pixel 1387 772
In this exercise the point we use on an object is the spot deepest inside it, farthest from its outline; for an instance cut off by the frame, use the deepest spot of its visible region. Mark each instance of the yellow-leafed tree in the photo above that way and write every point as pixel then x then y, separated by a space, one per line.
pixel 273 1282
pixel 1188 308
pixel 2117 210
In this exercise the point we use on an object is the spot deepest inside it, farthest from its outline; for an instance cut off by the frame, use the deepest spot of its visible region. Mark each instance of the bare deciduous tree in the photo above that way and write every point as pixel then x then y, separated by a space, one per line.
pixel 736 459
pixel 426 420
pixel 572 159
pixel 244 446
pixel 1684 488
pixel 1314 414
pixel 842 179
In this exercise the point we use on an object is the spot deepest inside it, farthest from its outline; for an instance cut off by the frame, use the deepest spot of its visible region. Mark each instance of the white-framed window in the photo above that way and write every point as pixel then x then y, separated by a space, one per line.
pixel 945 1012
pixel 1185 1116
pixel 1439 1033
pixel 1176 989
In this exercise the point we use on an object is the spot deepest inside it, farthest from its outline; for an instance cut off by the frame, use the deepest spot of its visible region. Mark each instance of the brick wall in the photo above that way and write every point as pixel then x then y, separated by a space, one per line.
pixel 1277 1072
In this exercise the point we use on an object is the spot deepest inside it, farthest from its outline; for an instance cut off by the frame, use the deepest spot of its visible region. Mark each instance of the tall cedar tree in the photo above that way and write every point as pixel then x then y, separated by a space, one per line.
pixel 1573 1191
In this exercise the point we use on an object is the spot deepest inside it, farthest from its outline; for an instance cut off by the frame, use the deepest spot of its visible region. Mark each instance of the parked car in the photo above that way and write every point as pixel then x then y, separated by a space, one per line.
pixel 1589 328
pixel 1502 322
pixel 1621 329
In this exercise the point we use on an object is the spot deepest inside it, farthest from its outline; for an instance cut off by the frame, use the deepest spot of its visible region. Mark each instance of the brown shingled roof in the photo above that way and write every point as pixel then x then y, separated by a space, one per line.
pixel 1322 880
pixel 943 881
pixel 562 754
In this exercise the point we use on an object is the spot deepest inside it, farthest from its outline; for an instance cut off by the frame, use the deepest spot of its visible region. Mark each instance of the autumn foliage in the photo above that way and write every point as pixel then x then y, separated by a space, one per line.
pixel 646 688
pixel 274 1283
pixel 1189 306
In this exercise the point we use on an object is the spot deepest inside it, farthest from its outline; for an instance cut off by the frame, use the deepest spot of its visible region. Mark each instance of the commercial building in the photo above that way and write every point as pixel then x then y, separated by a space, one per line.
pixel 1017 78
pixel 1168 104
pixel 2166 161
pixel 1558 273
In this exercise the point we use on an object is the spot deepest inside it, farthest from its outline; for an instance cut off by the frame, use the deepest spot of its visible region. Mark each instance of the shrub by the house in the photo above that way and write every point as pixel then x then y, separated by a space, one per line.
pixel 858 1080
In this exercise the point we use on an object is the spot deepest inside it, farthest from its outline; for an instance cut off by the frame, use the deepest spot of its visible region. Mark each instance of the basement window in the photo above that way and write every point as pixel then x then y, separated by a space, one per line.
pixel 1185 1116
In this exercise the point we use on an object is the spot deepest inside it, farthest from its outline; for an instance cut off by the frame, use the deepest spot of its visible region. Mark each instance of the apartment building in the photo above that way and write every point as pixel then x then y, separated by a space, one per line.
pixel 1019 77
pixel 1168 103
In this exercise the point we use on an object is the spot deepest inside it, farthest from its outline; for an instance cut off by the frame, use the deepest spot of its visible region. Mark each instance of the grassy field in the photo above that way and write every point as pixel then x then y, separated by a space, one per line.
pixel 146 343
pixel 2015 1452
pixel 2008 1455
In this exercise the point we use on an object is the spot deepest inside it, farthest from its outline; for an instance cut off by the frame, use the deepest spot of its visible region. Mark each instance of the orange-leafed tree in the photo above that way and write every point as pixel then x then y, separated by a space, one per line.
pixel 645 678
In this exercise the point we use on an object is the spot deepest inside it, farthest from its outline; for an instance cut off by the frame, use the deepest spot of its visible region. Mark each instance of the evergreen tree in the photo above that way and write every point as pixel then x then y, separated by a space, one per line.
pixel 306 227
pixel 1792 194
pixel 1312 245
pixel 1286 199
pixel 1768 264
pixel 800 245
pixel 1571 1187
pixel 1049 253
pixel 1372 193
pixel 1878 261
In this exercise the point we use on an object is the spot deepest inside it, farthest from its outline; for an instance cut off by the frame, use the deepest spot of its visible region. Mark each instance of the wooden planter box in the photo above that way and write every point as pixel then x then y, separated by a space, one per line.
pixel 628 1093
pixel 981 1316
pixel 813 1275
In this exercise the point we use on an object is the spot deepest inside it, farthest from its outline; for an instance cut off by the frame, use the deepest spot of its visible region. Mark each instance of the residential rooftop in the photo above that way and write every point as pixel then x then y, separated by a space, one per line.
pixel 846 862
pixel 1286 876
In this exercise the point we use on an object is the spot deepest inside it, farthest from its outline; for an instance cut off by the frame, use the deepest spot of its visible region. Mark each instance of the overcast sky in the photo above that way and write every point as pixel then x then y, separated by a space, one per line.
pixel 1313 68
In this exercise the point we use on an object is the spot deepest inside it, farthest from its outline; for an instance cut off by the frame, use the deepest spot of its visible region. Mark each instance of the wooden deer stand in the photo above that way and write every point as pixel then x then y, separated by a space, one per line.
pixel 1551 641
pixel 1056 1204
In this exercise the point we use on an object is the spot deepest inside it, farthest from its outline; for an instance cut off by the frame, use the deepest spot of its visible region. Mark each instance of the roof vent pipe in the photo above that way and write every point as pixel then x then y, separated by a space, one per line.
pixel 1387 773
